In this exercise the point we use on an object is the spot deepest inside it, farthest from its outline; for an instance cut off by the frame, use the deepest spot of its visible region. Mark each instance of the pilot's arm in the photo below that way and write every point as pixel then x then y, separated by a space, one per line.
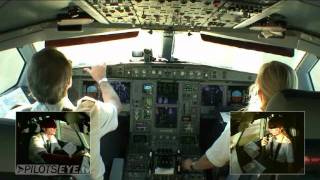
pixel 216 156
pixel 36 148
pixel 201 164
pixel 98 73
pixel 103 115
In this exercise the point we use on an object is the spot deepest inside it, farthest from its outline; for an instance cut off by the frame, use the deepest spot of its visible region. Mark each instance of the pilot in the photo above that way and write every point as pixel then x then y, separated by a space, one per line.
pixel 271 78
pixel 278 147
pixel 49 77
pixel 44 142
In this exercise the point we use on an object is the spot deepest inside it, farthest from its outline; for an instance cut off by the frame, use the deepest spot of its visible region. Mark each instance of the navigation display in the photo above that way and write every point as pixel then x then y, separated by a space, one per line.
pixel 123 90
pixel 211 95
pixel 166 117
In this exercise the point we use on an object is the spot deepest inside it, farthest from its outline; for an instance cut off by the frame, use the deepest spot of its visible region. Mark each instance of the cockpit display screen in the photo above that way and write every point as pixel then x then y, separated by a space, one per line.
pixel 90 89
pixel 167 93
pixel 166 117
pixel 147 88
pixel 211 95
pixel 238 95
pixel 123 90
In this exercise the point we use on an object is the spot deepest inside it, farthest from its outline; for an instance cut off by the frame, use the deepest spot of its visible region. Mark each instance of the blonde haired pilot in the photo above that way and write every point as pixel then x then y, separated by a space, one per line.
pixel 271 79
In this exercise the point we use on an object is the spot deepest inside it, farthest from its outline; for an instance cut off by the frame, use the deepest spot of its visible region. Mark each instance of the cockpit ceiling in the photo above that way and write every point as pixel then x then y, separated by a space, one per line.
pixel 180 14
pixel 18 14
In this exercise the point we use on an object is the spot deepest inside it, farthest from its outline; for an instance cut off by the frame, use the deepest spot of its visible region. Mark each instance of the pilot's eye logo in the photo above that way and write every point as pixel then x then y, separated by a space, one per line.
pixel 20 169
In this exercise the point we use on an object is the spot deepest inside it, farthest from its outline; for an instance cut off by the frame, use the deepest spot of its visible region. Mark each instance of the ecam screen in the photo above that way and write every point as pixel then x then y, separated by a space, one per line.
pixel 166 117
pixel 167 93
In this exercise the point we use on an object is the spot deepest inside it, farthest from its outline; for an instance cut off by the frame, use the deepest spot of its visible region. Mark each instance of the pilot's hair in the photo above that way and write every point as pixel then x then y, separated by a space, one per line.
pixel 275 122
pixel 49 74
pixel 274 77
pixel 278 122
pixel 48 123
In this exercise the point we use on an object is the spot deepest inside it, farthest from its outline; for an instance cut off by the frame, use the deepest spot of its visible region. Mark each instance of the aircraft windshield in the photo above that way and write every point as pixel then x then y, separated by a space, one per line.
pixel 187 48
pixel 194 49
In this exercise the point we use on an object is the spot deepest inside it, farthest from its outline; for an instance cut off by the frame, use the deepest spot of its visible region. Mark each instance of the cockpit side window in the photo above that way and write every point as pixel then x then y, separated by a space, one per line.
pixel 38 45
pixel 11 66
pixel 252 133
pixel 67 134
pixel 315 74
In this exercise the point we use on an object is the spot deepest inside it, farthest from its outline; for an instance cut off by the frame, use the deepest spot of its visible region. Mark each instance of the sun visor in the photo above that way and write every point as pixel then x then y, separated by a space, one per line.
pixel 91 39
pixel 249 45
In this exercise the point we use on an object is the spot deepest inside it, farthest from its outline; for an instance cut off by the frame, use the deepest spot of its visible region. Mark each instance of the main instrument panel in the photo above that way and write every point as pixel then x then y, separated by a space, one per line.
pixel 165 104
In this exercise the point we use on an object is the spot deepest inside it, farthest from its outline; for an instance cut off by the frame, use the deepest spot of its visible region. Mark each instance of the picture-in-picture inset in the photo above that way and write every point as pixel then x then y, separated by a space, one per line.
pixel 267 143
pixel 52 143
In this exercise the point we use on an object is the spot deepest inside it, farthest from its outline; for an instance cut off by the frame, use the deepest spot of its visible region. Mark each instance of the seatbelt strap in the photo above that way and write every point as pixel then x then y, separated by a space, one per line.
pixel 274 155
pixel 48 146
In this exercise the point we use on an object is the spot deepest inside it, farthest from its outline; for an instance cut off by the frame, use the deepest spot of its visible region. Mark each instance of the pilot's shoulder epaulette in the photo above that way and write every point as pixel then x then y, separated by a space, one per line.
pixel 86 101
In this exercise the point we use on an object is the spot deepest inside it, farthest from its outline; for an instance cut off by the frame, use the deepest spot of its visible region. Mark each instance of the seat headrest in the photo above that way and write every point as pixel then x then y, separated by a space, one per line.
pixel 299 100
pixel 293 131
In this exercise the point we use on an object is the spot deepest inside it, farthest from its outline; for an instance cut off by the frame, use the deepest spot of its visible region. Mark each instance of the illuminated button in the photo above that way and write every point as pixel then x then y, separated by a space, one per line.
pixel 182 73
pixel 159 72
pixel 144 72
pixel 153 72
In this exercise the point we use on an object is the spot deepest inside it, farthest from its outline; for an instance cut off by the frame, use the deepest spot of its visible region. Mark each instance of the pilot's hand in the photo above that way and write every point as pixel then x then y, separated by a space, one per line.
pixel 264 141
pixel 186 164
pixel 77 157
pixel 80 153
pixel 97 72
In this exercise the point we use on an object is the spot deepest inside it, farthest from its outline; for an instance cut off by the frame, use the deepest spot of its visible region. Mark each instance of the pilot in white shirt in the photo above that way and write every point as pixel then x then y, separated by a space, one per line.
pixel 103 119
pixel 43 142
pixel 218 153
pixel 49 78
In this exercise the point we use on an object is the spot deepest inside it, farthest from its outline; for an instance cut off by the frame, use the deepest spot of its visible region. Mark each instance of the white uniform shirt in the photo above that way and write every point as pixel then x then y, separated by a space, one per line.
pixel 38 144
pixel 103 119
pixel 285 154
pixel 64 103
pixel 218 153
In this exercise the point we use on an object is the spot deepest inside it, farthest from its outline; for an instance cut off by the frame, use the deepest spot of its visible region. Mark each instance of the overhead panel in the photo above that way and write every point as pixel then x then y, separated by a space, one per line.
pixel 180 14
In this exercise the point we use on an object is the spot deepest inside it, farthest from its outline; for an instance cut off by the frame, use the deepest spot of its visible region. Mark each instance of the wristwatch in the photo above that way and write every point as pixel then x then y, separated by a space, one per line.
pixel 102 80
pixel 192 166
